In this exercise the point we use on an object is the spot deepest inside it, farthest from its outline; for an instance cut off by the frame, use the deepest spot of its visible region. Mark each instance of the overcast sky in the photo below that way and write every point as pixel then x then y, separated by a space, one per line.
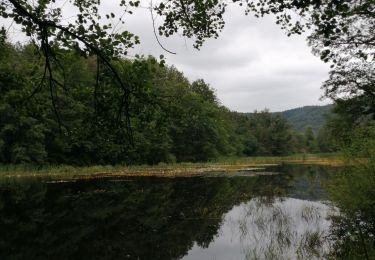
pixel 252 65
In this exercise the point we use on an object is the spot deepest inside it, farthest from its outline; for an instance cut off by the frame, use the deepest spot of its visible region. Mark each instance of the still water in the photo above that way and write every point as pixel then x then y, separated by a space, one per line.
pixel 282 214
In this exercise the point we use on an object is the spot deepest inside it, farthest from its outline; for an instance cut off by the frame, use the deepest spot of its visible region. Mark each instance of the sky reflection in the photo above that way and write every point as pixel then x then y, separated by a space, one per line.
pixel 285 228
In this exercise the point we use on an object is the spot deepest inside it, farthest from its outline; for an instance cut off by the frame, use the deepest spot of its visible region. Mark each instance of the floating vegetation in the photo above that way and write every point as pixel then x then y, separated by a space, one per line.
pixel 251 166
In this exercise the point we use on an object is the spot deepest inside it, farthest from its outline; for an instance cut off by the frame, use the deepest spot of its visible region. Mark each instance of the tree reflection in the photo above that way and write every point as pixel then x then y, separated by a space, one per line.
pixel 353 231
pixel 143 218
pixel 135 218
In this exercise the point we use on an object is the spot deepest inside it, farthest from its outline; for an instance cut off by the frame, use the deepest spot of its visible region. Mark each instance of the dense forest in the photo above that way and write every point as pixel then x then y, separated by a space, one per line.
pixel 71 97
pixel 170 118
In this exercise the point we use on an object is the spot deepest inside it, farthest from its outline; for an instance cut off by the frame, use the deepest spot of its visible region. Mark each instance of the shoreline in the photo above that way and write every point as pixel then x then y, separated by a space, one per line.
pixel 224 166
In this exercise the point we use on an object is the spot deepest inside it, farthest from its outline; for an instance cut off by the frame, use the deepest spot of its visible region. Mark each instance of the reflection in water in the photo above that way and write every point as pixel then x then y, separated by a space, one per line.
pixel 165 218
pixel 286 228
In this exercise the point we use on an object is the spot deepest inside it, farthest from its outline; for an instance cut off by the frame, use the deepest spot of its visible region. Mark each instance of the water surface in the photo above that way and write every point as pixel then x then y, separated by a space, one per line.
pixel 281 215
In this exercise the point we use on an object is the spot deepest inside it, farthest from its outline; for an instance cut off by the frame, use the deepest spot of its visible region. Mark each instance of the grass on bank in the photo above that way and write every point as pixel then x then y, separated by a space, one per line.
pixel 227 165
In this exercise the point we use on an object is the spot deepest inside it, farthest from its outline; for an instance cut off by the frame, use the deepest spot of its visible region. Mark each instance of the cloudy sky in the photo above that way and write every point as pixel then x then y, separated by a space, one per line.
pixel 252 65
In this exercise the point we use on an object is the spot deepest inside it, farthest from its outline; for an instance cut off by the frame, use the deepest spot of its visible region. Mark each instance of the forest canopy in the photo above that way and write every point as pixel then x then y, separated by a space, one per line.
pixel 172 119
pixel 71 91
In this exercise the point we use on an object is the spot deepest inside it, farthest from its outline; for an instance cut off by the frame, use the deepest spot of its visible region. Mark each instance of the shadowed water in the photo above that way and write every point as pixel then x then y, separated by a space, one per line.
pixel 270 216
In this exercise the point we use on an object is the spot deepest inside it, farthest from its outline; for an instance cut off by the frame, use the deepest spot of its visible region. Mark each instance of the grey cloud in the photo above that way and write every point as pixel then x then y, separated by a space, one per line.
pixel 219 58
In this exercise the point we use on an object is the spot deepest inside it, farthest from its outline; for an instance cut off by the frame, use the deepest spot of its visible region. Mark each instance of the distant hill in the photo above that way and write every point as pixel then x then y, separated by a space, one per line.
pixel 303 117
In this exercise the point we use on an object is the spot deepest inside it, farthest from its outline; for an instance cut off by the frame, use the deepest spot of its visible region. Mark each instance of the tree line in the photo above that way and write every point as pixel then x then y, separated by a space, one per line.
pixel 170 118
pixel 133 114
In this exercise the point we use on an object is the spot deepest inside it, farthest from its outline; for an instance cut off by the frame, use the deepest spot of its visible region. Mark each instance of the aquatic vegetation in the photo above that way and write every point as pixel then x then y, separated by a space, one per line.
pixel 276 230
pixel 238 166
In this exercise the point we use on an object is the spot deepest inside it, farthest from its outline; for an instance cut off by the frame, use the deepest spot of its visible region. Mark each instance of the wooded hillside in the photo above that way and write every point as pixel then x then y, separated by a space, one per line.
pixel 308 116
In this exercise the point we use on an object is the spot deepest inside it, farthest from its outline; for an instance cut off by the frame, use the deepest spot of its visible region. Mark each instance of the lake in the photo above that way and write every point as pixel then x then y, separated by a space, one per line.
pixel 281 212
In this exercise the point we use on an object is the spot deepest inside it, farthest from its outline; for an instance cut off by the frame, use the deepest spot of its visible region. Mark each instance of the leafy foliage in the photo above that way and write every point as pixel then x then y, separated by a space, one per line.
pixel 171 119
pixel 342 33
pixel 353 191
